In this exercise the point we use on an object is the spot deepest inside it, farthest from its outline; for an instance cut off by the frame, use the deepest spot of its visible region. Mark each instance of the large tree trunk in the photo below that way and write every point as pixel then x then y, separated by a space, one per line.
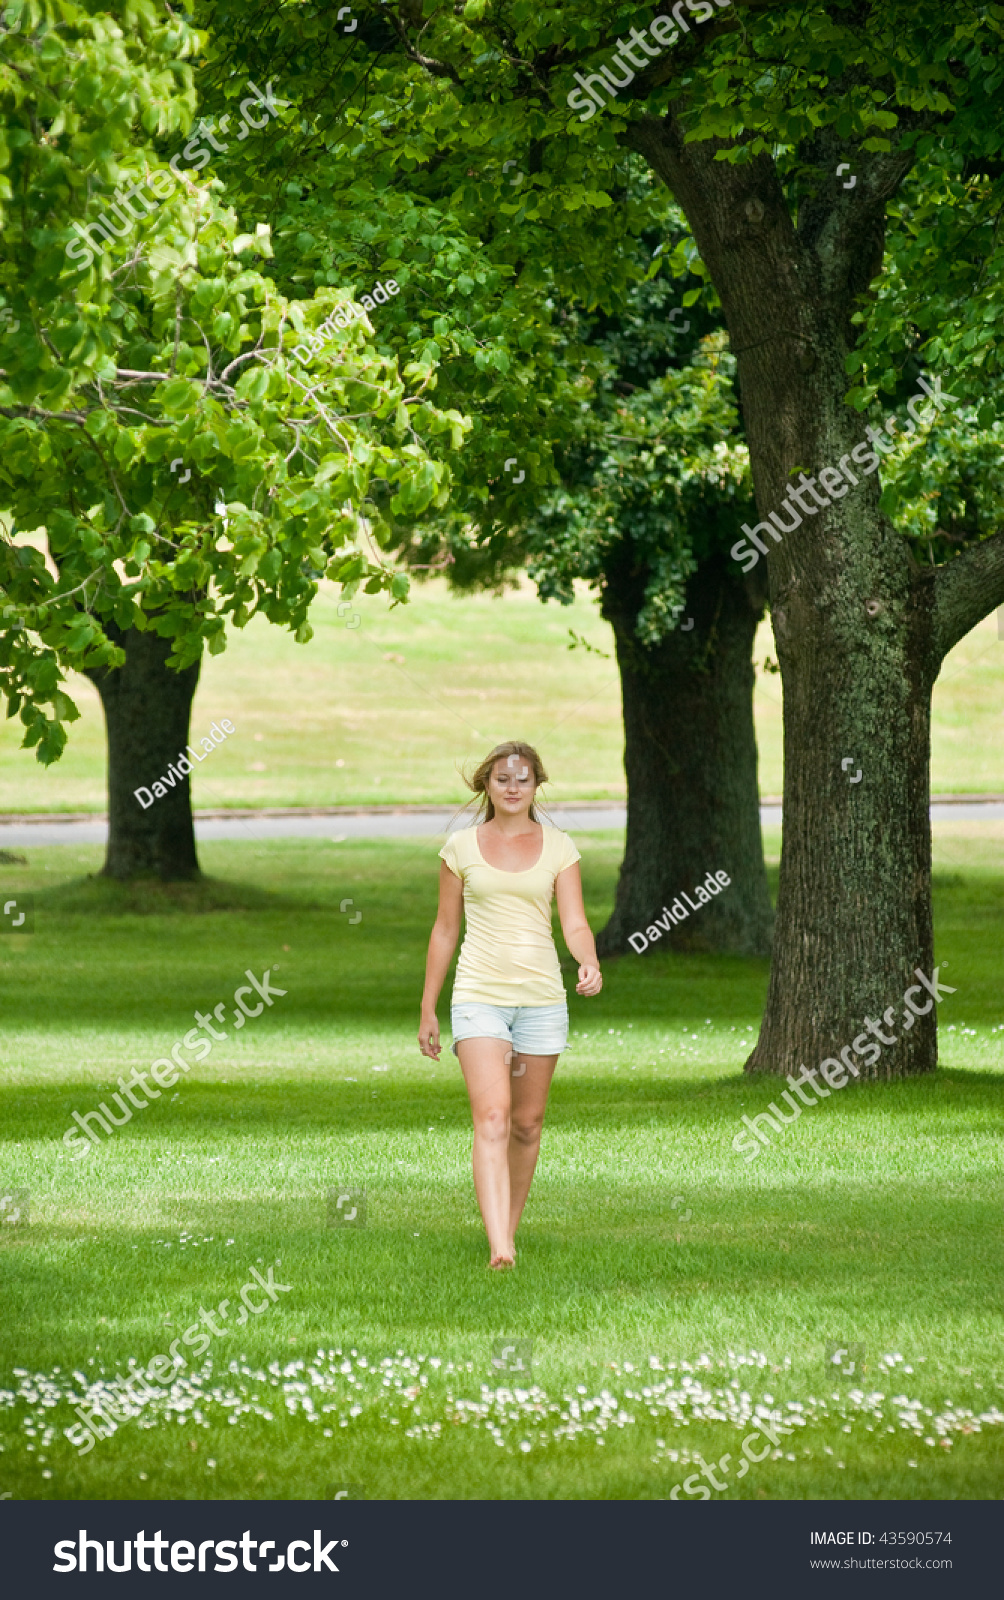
pixel 858 634
pixel 148 709
pixel 691 762
pixel 854 901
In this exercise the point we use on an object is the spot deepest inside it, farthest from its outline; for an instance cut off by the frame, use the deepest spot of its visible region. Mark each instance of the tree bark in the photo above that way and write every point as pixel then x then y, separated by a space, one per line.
pixel 690 758
pixel 860 630
pixel 148 709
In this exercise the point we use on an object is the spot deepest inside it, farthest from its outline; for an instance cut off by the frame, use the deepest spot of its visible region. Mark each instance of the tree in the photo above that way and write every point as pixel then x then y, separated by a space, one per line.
pixel 651 487
pixel 195 446
pixel 746 111
pixel 659 486
pixel 521 353
pixel 861 626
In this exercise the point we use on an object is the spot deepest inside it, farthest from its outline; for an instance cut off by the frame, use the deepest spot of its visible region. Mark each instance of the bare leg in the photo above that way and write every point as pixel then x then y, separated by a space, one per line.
pixel 531 1080
pixel 484 1063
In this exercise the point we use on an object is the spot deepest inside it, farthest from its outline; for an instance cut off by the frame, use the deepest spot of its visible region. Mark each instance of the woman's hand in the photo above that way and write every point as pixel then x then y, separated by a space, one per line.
pixel 575 927
pixel 590 979
pixel 428 1035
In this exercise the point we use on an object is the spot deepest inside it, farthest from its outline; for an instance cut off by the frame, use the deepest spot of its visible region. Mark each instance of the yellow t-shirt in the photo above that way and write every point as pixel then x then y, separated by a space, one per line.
pixel 508 956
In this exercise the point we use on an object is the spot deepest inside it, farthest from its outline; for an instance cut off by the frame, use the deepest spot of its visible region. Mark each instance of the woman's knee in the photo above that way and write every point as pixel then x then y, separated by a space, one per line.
pixel 493 1122
pixel 526 1126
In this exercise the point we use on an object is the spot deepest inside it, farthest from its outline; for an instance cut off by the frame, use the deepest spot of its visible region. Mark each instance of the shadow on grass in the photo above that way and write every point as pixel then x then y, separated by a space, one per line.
pixel 245 1109
pixel 95 895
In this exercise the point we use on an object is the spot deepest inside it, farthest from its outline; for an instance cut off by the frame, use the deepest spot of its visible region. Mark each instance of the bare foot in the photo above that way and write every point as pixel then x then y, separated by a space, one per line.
pixel 506 1257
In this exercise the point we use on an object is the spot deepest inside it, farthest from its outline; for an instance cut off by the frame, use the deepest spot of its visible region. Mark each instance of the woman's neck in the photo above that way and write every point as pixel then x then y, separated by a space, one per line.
pixel 511 827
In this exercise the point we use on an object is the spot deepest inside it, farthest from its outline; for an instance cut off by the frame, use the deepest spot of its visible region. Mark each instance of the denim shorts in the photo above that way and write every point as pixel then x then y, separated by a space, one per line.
pixel 532 1030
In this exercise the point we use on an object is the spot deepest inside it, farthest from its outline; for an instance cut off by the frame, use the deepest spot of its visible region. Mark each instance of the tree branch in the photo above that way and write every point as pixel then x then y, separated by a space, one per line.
pixel 436 69
pixel 966 590
pixel 39 411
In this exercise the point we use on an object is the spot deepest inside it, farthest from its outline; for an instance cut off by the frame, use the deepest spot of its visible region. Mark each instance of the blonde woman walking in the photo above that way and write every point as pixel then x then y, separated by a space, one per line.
pixel 508 1012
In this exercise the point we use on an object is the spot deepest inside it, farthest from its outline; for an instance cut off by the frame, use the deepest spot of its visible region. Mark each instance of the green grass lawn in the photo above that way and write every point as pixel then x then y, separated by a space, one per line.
pixel 668 1289
pixel 388 710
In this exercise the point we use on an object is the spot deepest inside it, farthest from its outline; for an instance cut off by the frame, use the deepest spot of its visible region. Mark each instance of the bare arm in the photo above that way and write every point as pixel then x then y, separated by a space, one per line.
pixel 442 943
pixel 576 930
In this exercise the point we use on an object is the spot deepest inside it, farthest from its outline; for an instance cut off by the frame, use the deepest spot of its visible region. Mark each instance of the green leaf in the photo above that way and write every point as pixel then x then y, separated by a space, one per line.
pixel 253 386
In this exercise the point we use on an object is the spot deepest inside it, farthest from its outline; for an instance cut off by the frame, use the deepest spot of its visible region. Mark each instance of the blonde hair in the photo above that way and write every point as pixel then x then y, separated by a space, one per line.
pixel 478 781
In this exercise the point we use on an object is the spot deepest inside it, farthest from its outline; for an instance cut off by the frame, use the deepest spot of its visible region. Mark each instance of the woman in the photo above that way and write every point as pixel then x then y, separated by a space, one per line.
pixel 508 1011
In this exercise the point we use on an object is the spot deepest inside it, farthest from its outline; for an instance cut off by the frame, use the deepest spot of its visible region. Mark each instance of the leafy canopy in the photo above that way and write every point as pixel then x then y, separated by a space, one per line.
pixel 187 457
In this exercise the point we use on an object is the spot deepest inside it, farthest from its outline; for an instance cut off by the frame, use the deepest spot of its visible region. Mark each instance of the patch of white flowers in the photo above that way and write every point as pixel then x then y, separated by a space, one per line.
pixel 337 1389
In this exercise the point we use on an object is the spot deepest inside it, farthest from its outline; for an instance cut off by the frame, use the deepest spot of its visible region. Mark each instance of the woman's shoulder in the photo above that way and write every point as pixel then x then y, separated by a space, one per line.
pixel 460 845
pixel 553 835
pixel 559 847
pixel 464 835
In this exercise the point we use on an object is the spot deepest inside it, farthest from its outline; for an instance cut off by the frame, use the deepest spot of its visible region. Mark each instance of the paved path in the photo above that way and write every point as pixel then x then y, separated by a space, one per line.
pixel 388 822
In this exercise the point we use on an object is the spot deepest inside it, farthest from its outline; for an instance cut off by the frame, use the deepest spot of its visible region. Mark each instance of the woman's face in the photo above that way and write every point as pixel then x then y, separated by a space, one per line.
pixel 512 786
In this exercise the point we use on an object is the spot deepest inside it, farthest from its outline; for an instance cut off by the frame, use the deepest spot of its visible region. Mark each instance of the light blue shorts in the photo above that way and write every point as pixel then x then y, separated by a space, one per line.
pixel 531 1030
